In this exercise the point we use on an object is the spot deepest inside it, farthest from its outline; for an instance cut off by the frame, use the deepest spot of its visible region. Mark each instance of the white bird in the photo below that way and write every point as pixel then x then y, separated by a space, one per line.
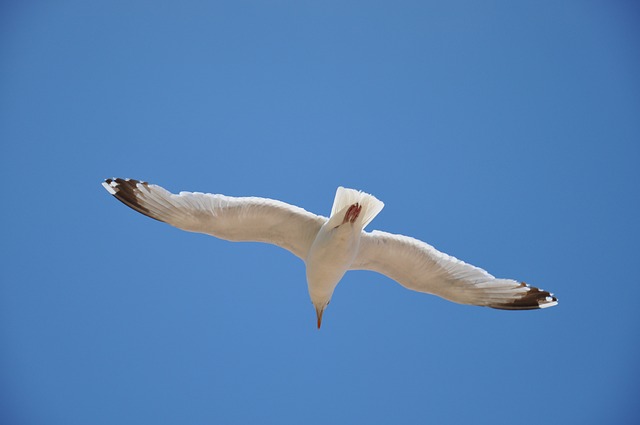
pixel 331 246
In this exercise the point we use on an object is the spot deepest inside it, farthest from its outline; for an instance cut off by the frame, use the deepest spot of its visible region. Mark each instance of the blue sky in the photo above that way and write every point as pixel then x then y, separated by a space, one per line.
pixel 504 133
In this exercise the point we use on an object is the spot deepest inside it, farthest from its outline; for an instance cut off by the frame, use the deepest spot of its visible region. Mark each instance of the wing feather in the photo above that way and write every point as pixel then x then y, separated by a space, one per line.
pixel 418 266
pixel 225 217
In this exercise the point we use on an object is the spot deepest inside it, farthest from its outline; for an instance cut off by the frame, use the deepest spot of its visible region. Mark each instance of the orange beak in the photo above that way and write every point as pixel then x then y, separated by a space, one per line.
pixel 319 314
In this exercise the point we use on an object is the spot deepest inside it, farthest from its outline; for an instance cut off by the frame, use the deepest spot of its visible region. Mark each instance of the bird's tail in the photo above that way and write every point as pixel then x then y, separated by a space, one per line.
pixel 368 205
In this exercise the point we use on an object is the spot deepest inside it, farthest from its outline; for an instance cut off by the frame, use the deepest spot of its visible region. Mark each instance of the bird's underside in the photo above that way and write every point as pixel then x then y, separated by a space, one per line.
pixel 414 264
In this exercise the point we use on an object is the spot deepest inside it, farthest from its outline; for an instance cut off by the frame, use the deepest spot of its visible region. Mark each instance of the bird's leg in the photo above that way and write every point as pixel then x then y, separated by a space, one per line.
pixel 352 213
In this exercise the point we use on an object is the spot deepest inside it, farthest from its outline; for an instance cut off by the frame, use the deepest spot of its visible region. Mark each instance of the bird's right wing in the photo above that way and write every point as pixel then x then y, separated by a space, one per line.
pixel 419 266
pixel 234 219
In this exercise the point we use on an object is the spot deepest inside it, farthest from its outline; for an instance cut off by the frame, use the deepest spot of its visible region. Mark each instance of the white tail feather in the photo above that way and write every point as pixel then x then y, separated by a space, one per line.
pixel 371 206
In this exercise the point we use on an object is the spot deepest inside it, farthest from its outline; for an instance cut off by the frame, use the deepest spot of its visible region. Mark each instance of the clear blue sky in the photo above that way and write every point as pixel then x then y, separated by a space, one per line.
pixel 504 133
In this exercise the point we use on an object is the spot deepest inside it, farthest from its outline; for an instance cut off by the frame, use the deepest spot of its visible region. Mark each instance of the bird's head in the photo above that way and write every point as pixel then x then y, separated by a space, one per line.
pixel 321 289
pixel 320 306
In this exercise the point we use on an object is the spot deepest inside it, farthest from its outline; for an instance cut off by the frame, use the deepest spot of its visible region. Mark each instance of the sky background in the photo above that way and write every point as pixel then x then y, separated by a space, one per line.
pixel 504 133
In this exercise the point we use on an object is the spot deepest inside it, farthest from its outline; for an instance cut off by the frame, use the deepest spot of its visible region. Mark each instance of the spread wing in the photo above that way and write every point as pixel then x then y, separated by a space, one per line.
pixel 419 266
pixel 225 217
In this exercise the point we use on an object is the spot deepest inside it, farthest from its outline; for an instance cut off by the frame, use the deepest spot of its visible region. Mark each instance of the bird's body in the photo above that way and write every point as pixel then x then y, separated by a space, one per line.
pixel 329 258
pixel 336 244
pixel 330 246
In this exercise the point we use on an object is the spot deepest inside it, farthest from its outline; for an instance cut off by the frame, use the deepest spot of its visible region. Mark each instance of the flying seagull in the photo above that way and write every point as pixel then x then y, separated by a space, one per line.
pixel 330 246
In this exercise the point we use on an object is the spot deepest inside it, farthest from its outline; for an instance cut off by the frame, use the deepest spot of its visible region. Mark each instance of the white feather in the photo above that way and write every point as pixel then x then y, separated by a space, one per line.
pixel 418 266
pixel 225 217
pixel 344 198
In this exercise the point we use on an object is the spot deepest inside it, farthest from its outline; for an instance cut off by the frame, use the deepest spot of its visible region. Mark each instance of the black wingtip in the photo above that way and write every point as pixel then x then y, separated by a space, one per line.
pixel 533 299
pixel 128 192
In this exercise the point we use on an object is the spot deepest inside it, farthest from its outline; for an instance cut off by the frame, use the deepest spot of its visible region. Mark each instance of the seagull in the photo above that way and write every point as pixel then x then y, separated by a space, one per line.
pixel 330 246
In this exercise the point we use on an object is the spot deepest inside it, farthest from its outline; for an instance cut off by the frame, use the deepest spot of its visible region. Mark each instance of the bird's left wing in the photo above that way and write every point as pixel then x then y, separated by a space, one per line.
pixel 225 217
pixel 419 266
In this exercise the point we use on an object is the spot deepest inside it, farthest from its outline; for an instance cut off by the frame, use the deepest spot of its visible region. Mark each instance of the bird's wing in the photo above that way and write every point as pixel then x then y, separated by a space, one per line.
pixel 419 266
pixel 225 217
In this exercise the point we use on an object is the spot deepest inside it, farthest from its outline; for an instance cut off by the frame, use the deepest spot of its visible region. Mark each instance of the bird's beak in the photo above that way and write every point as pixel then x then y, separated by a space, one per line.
pixel 319 312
